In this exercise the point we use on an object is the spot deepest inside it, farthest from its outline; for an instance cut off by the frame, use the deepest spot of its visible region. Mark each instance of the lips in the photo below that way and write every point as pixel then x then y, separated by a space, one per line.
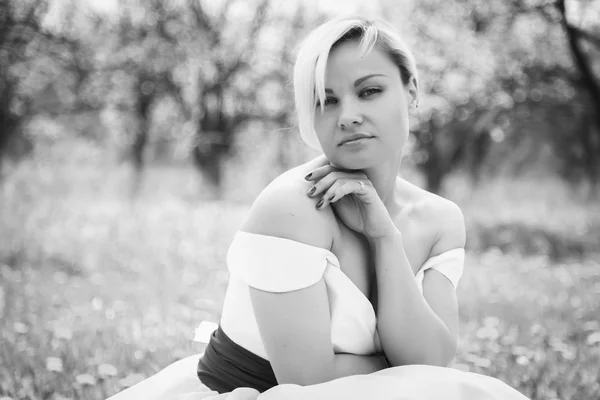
pixel 354 136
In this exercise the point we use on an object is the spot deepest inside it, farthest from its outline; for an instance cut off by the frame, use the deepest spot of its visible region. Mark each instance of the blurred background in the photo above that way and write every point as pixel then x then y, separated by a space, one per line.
pixel 135 134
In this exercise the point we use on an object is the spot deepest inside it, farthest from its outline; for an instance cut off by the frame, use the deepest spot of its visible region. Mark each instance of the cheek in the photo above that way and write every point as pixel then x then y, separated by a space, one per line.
pixel 318 124
pixel 393 110
pixel 324 126
pixel 396 120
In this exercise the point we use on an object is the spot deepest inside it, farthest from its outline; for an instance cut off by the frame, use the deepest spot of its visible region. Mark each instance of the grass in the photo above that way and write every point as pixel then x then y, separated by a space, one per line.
pixel 98 292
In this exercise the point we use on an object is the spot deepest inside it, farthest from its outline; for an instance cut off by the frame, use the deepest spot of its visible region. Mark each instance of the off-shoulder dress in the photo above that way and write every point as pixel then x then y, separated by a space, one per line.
pixel 236 366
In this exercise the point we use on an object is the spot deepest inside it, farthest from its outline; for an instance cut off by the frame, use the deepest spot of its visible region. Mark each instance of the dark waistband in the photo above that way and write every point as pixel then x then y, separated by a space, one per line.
pixel 226 366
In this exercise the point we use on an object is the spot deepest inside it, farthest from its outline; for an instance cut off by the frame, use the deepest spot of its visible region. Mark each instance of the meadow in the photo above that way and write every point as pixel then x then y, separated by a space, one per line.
pixel 98 290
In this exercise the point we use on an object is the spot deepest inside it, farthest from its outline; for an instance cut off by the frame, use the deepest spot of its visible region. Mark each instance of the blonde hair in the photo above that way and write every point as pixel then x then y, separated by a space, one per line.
pixel 309 69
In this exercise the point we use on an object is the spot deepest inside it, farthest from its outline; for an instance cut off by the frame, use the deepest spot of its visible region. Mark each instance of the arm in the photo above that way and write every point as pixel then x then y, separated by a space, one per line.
pixel 295 327
pixel 352 364
pixel 415 328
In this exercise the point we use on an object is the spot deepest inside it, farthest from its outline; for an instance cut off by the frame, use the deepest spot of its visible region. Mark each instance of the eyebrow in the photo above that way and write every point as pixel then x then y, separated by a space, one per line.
pixel 358 81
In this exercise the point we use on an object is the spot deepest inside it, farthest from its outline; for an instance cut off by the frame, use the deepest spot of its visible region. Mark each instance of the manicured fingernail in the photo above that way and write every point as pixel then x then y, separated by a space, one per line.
pixel 307 177
pixel 312 190
pixel 320 203
pixel 331 197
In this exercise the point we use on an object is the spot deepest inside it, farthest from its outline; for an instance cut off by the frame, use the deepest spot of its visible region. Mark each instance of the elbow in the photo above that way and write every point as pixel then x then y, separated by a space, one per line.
pixel 445 356
pixel 436 359
pixel 440 352
pixel 442 357
pixel 452 347
pixel 444 353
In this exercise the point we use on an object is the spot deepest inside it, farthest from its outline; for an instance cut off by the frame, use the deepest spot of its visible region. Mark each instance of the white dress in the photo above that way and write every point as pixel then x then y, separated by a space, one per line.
pixel 281 265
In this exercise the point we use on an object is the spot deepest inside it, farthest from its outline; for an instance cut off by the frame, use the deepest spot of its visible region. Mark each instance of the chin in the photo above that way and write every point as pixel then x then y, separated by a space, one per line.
pixel 354 161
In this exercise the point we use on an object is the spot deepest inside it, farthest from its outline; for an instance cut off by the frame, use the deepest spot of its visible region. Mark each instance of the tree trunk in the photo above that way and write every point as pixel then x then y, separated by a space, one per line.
pixel 434 179
pixel 434 168
pixel 8 125
pixel 213 139
pixel 589 82
pixel 138 148
pixel 210 163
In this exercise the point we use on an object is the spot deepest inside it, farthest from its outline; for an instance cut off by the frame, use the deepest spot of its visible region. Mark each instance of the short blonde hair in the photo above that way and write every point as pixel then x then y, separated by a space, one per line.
pixel 309 69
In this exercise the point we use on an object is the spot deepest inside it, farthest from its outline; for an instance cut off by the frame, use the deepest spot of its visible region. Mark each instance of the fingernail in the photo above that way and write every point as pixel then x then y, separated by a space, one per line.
pixel 312 190
pixel 320 203
pixel 307 177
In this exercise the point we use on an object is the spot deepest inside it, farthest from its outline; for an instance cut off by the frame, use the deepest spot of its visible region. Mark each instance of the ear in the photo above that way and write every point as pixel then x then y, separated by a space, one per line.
pixel 413 90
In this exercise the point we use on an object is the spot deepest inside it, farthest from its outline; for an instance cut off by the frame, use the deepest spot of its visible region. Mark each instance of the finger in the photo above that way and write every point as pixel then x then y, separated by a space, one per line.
pixel 330 194
pixel 352 186
pixel 325 183
pixel 339 189
pixel 320 172
pixel 348 187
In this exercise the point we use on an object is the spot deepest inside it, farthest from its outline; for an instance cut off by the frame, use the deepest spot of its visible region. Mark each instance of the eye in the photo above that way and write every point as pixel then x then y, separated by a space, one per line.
pixel 369 92
pixel 328 101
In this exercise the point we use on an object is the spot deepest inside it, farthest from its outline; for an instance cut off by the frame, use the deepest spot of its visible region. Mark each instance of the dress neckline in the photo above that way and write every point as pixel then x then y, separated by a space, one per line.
pixel 331 257
pixel 329 252
pixel 334 260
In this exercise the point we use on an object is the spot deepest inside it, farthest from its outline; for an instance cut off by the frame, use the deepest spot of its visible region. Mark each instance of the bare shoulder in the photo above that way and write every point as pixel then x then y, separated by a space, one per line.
pixel 450 228
pixel 284 210
pixel 442 217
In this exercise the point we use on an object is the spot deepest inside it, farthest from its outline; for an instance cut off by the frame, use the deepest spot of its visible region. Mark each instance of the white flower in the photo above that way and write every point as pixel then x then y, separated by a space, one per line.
pixel 105 370
pixel 85 379
pixel 54 364
pixel 20 327
pixel 593 339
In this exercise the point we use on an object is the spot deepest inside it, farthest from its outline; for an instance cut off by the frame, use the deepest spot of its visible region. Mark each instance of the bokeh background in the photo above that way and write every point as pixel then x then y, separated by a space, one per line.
pixel 135 134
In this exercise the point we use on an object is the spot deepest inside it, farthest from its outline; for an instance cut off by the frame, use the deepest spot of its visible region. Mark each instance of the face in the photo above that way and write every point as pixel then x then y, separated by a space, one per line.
pixel 365 97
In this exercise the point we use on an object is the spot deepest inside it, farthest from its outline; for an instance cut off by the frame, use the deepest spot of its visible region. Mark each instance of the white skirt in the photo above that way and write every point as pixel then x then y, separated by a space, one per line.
pixel 179 381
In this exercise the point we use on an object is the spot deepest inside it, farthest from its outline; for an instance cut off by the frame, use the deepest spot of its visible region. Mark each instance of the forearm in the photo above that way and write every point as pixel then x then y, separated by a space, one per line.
pixel 410 332
pixel 353 364
pixel 342 365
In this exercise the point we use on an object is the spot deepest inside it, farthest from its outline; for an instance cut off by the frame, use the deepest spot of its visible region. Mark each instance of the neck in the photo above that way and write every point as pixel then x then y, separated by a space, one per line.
pixel 383 177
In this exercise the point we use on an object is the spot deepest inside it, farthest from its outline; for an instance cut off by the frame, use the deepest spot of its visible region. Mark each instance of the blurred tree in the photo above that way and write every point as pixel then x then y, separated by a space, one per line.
pixel 21 35
pixel 589 138
pixel 505 86
pixel 147 53
pixel 556 87
pixel 44 67
pixel 215 62
pixel 461 97
pixel 464 140
pixel 499 87
pixel 231 77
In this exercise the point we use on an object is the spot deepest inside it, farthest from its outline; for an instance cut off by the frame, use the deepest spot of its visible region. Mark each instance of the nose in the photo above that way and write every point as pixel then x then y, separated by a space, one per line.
pixel 349 115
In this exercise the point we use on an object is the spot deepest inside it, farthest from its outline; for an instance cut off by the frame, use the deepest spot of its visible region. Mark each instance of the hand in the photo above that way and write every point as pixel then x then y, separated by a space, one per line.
pixel 358 205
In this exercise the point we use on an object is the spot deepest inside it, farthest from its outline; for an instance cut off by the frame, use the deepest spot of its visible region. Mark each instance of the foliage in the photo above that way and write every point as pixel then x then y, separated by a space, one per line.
pixel 501 89
pixel 184 76
pixel 506 88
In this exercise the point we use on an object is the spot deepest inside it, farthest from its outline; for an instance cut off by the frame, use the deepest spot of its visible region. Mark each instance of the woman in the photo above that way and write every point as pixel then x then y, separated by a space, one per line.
pixel 343 275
